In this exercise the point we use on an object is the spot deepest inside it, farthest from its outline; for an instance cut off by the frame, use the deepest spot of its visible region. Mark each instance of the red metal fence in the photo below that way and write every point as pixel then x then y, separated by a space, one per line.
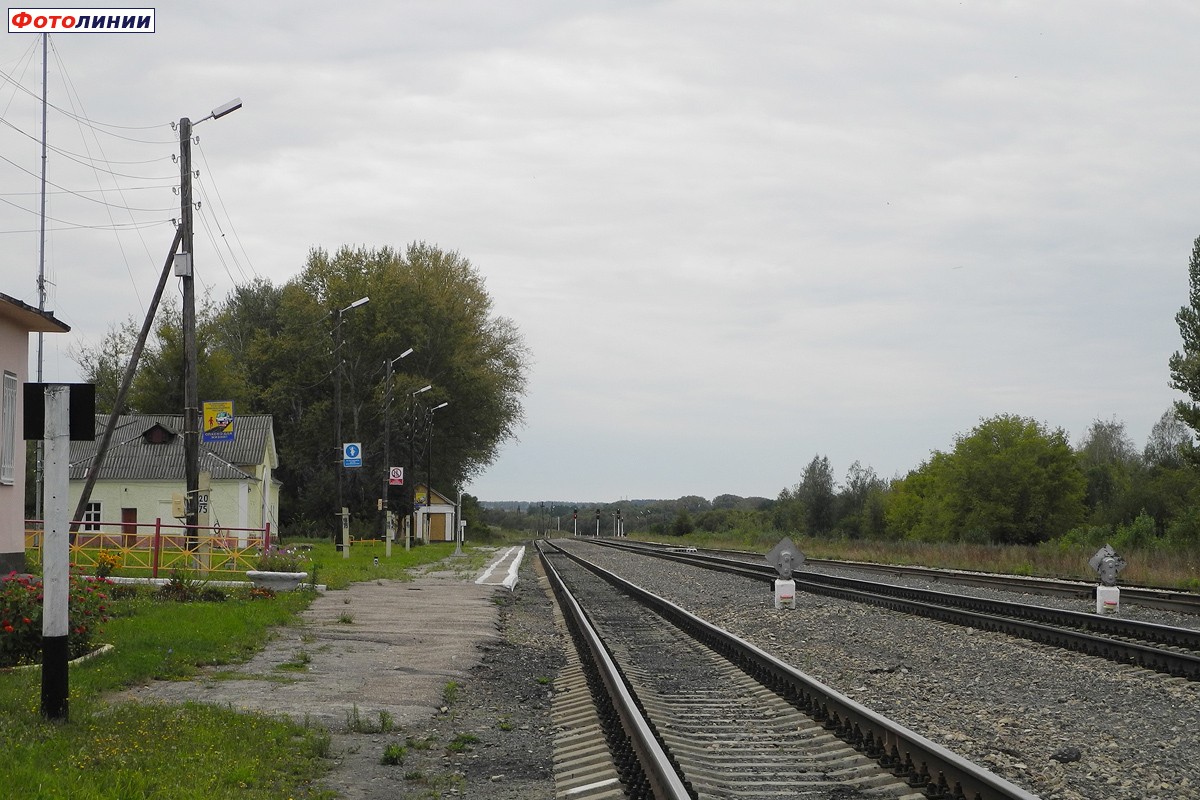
pixel 148 548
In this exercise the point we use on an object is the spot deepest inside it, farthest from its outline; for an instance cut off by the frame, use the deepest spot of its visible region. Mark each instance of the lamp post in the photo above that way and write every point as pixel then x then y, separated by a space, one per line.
pixel 387 449
pixel 409 505
pixel 184 270
pixel 429 452
pixel 337 408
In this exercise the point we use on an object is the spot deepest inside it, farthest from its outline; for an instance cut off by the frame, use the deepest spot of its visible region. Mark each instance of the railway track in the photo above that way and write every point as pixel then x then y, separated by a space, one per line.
pixel 1150 597
pixel 1162 648
pixel 692 711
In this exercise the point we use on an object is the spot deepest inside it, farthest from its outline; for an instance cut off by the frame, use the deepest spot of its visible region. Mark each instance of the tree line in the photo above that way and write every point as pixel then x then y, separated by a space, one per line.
pixel 284 349
pixel 1010 480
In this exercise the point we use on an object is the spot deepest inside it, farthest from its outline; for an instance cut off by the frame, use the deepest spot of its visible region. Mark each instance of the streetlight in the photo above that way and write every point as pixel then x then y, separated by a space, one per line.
pixel 184 270
pixel 337 407
pixel 387 447
pixel 410 439
pixel 429 452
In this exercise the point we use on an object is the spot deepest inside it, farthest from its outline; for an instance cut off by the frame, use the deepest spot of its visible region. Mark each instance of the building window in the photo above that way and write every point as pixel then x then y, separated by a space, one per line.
pixel 91 518
pixel 8 427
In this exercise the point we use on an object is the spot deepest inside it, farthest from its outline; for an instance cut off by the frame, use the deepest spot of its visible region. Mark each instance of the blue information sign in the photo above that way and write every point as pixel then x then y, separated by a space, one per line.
pixel 352 454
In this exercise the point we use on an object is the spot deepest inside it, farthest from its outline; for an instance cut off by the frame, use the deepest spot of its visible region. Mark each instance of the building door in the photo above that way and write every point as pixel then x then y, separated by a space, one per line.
pixel 128 527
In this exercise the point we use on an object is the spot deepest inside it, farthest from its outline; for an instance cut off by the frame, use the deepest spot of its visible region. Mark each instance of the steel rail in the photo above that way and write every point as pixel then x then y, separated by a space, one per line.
pixel 1161 599
pixel 641 759
pixel 923 763
pixel 1056 627
pixel 1178 601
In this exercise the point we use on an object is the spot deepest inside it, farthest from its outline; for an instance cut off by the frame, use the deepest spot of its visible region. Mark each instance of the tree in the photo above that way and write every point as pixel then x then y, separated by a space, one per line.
pixel 158 383
pixel 683 524
pixel 104 365
pixel 1168 442
pixel 425 298
pixel 158 386
pixel 1012 481
pixel 1009 481
pixel 1110 462
pixel 918 507
pixel 815 491
pixel 1185 366
pixel 859 505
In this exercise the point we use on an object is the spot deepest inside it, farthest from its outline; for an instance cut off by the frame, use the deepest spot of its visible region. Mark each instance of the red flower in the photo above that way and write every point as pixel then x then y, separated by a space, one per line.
pixel 8 628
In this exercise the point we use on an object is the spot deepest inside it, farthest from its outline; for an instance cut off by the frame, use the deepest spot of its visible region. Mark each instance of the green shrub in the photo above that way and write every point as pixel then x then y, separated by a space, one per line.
pixel 1139 534
pixel 1085 536
pixel 180 587
pixel 393 755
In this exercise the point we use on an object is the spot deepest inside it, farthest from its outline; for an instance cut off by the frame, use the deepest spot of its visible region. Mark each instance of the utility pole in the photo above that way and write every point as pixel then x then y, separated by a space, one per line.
pixel 184 269
pixel 191 390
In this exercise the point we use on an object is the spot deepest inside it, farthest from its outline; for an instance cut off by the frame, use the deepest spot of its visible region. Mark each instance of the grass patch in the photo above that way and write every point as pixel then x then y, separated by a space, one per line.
pixel 450 693
pixel 337 572
pixel 114 751
pixel 393 755
pixel 357 724
pixel 422 743
pixel 187 752
pixel 462 743
pixel 299 662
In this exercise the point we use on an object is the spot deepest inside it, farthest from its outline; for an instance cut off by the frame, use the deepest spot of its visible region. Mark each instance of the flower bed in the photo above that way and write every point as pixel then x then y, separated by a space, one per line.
pixel 281 559
pixel 21 617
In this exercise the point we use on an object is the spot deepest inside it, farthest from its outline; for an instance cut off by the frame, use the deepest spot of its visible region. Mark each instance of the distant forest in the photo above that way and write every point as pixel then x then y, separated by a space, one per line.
pixel 1010 480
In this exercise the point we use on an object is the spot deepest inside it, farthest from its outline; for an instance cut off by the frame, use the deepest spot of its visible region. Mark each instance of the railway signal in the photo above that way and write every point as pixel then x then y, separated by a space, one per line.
pixel 1107 564
pixel 784 557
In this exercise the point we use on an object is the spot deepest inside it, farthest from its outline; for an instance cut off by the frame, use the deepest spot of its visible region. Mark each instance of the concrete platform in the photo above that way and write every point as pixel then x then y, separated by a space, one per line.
pixel 382 646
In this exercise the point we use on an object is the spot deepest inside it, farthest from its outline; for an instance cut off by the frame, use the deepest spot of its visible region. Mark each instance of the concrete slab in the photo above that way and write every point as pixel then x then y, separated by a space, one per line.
pixel 382 646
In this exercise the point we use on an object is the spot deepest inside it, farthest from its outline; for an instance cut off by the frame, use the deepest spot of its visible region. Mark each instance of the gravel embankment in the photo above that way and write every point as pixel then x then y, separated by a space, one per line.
pixel 1063 725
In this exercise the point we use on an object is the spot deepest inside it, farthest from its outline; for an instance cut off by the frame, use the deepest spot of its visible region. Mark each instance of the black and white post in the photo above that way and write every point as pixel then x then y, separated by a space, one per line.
pixel 56 413
pixel 56 551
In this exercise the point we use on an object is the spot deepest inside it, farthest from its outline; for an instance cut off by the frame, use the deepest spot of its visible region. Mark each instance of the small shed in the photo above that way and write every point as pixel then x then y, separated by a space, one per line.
pixel 434 515
pixel 17 321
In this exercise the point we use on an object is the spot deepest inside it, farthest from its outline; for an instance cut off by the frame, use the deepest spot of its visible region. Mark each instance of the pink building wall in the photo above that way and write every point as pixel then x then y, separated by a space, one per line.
pixel 17 321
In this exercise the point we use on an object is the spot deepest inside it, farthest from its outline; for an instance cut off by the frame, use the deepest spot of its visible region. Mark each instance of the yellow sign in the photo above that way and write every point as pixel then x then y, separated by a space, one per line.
pixel 218 421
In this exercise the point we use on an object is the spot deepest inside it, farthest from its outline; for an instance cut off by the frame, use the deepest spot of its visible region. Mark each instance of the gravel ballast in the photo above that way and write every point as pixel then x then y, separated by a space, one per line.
pixel 1062 725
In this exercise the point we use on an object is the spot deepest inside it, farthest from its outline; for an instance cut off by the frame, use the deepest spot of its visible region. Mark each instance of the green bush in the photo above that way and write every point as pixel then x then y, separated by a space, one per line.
pixel 1184 530
pixel 1139 534
pixel 1084 536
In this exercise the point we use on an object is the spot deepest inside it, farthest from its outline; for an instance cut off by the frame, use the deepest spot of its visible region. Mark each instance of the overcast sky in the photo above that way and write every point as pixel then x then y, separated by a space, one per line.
pixel 734 235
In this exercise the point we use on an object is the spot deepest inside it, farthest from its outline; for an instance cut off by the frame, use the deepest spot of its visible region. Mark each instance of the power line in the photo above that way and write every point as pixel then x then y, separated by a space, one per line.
pixel 232 227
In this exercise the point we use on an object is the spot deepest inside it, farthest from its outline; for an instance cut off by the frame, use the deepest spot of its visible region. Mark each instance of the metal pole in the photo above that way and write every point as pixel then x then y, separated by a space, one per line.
pixel 387 459
pixel 337 414
pixel 458 526
pixel 41 287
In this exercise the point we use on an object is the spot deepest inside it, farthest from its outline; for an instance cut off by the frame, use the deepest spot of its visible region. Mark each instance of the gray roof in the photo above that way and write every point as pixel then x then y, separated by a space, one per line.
pixel 131 458
pixel 29 317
